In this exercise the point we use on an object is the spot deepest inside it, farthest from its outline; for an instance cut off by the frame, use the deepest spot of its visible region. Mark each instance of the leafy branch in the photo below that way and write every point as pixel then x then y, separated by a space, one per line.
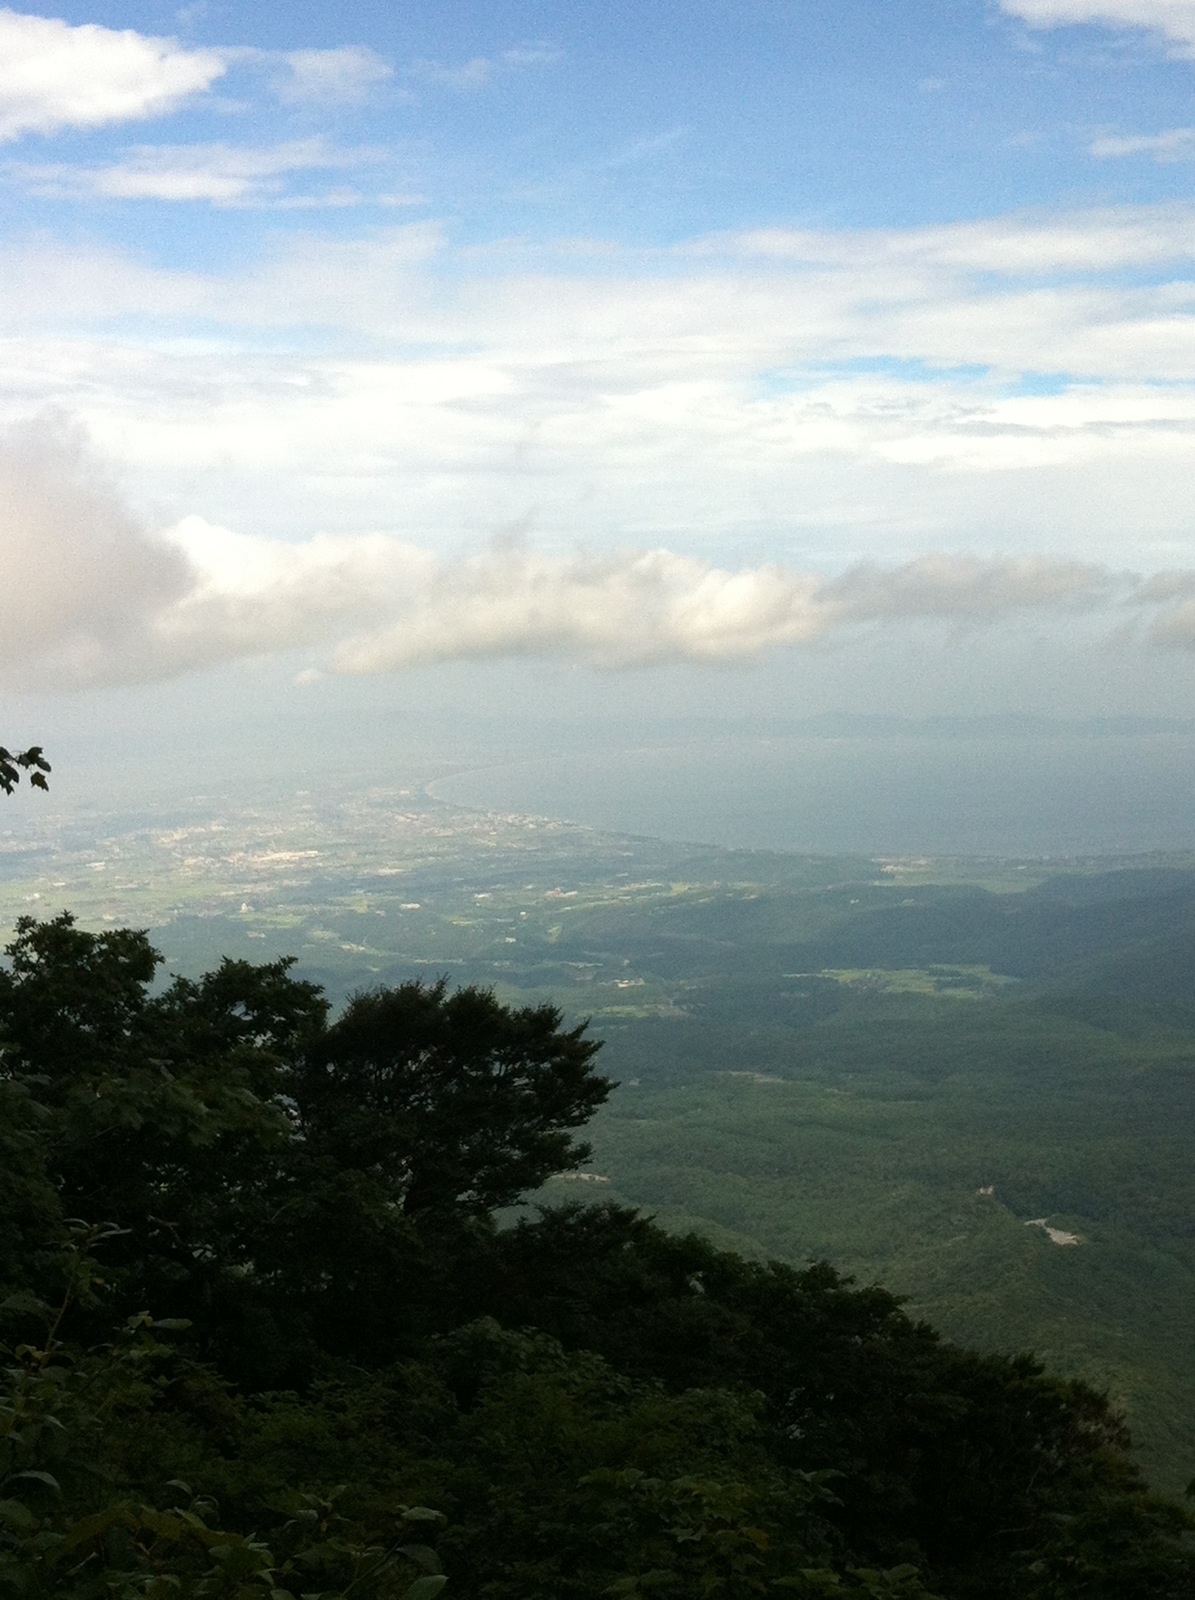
pixel 14 762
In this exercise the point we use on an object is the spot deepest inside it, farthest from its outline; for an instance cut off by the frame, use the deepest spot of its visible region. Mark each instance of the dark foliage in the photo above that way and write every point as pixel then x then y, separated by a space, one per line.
pixel 453 1101
pixel 15 762
pixel 595 1405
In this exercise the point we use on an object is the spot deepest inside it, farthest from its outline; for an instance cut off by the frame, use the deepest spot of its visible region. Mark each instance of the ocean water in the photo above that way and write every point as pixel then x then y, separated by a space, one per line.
pixel 1018 795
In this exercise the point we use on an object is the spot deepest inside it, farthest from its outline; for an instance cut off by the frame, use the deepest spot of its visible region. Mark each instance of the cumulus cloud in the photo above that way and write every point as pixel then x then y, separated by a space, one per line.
pixel 631 608
pixel 81 579
pixel 1174 19
pixel 372 604
pixel 637 608
pixel 89 595
pixel 222 174
pixel 53 75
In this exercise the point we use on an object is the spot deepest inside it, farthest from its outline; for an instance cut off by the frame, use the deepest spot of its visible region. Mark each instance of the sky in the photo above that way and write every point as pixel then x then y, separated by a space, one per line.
pixel 543 366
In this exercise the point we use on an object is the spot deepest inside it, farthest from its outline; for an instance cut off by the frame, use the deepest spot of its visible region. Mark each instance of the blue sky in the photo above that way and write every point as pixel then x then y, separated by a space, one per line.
pixel 650 124
pixel 848 350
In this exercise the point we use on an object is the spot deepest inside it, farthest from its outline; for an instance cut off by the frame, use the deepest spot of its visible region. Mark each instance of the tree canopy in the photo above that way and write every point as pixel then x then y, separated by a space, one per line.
pixel 267 1336
pixel 454 1101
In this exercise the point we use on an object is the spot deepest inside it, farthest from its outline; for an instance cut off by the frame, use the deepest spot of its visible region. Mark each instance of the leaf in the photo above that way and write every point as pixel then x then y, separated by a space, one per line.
pixel 421 1555
pixel 16 1515
pixel 424 1588
pixel 22 1301
pixel 97 1524
pixel 38 1476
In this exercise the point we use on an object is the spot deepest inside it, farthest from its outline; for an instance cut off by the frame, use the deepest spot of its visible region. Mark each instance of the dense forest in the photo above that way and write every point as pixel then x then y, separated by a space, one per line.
pixel 267 1337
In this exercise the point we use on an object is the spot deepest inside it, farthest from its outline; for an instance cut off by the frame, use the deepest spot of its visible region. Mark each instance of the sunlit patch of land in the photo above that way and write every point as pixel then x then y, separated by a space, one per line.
pixel 963 983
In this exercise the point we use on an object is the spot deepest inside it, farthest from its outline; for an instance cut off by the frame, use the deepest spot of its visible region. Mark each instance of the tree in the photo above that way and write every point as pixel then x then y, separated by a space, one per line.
pixel 257 1160
pixel 14 762
pixel 452 1101
pixel 162 1114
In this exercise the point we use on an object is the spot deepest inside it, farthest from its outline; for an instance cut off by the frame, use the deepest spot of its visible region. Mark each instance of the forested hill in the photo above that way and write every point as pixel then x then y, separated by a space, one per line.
pixel 1131 932
pixel 266 1338
pixel 915 1075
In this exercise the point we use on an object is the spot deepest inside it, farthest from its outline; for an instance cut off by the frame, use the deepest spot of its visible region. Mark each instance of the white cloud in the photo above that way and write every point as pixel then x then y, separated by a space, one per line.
pixel 379 604
pixel 227 175
pixel 1174 19
pixel 53 75
pixel 1017 245
pixel 347 76
pixel 630 608
pixel 1175 144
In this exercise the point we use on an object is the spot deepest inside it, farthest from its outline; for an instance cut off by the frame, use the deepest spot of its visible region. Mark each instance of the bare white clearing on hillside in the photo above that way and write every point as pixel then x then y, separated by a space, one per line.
pixel 1055 1235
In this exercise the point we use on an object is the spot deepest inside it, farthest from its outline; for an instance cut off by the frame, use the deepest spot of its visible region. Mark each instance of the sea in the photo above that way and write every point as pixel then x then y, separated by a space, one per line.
pixel 1037 793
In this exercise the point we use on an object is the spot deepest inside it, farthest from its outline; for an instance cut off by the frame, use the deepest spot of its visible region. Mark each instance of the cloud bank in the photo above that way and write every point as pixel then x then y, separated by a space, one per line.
pixel 89 595
pixel 1022 382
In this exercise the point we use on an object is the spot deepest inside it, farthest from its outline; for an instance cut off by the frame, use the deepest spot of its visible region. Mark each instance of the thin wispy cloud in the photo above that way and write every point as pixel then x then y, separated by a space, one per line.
pixel 220 174
pixel 55 76
pixel 478 71
pixel 968 588
pixel 1174 20
pixel 1175 144
pixel 1023 244
pixel 346 76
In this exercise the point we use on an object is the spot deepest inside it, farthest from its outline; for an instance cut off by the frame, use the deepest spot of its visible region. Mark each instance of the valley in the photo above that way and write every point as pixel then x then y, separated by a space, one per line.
pixel 972 1081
